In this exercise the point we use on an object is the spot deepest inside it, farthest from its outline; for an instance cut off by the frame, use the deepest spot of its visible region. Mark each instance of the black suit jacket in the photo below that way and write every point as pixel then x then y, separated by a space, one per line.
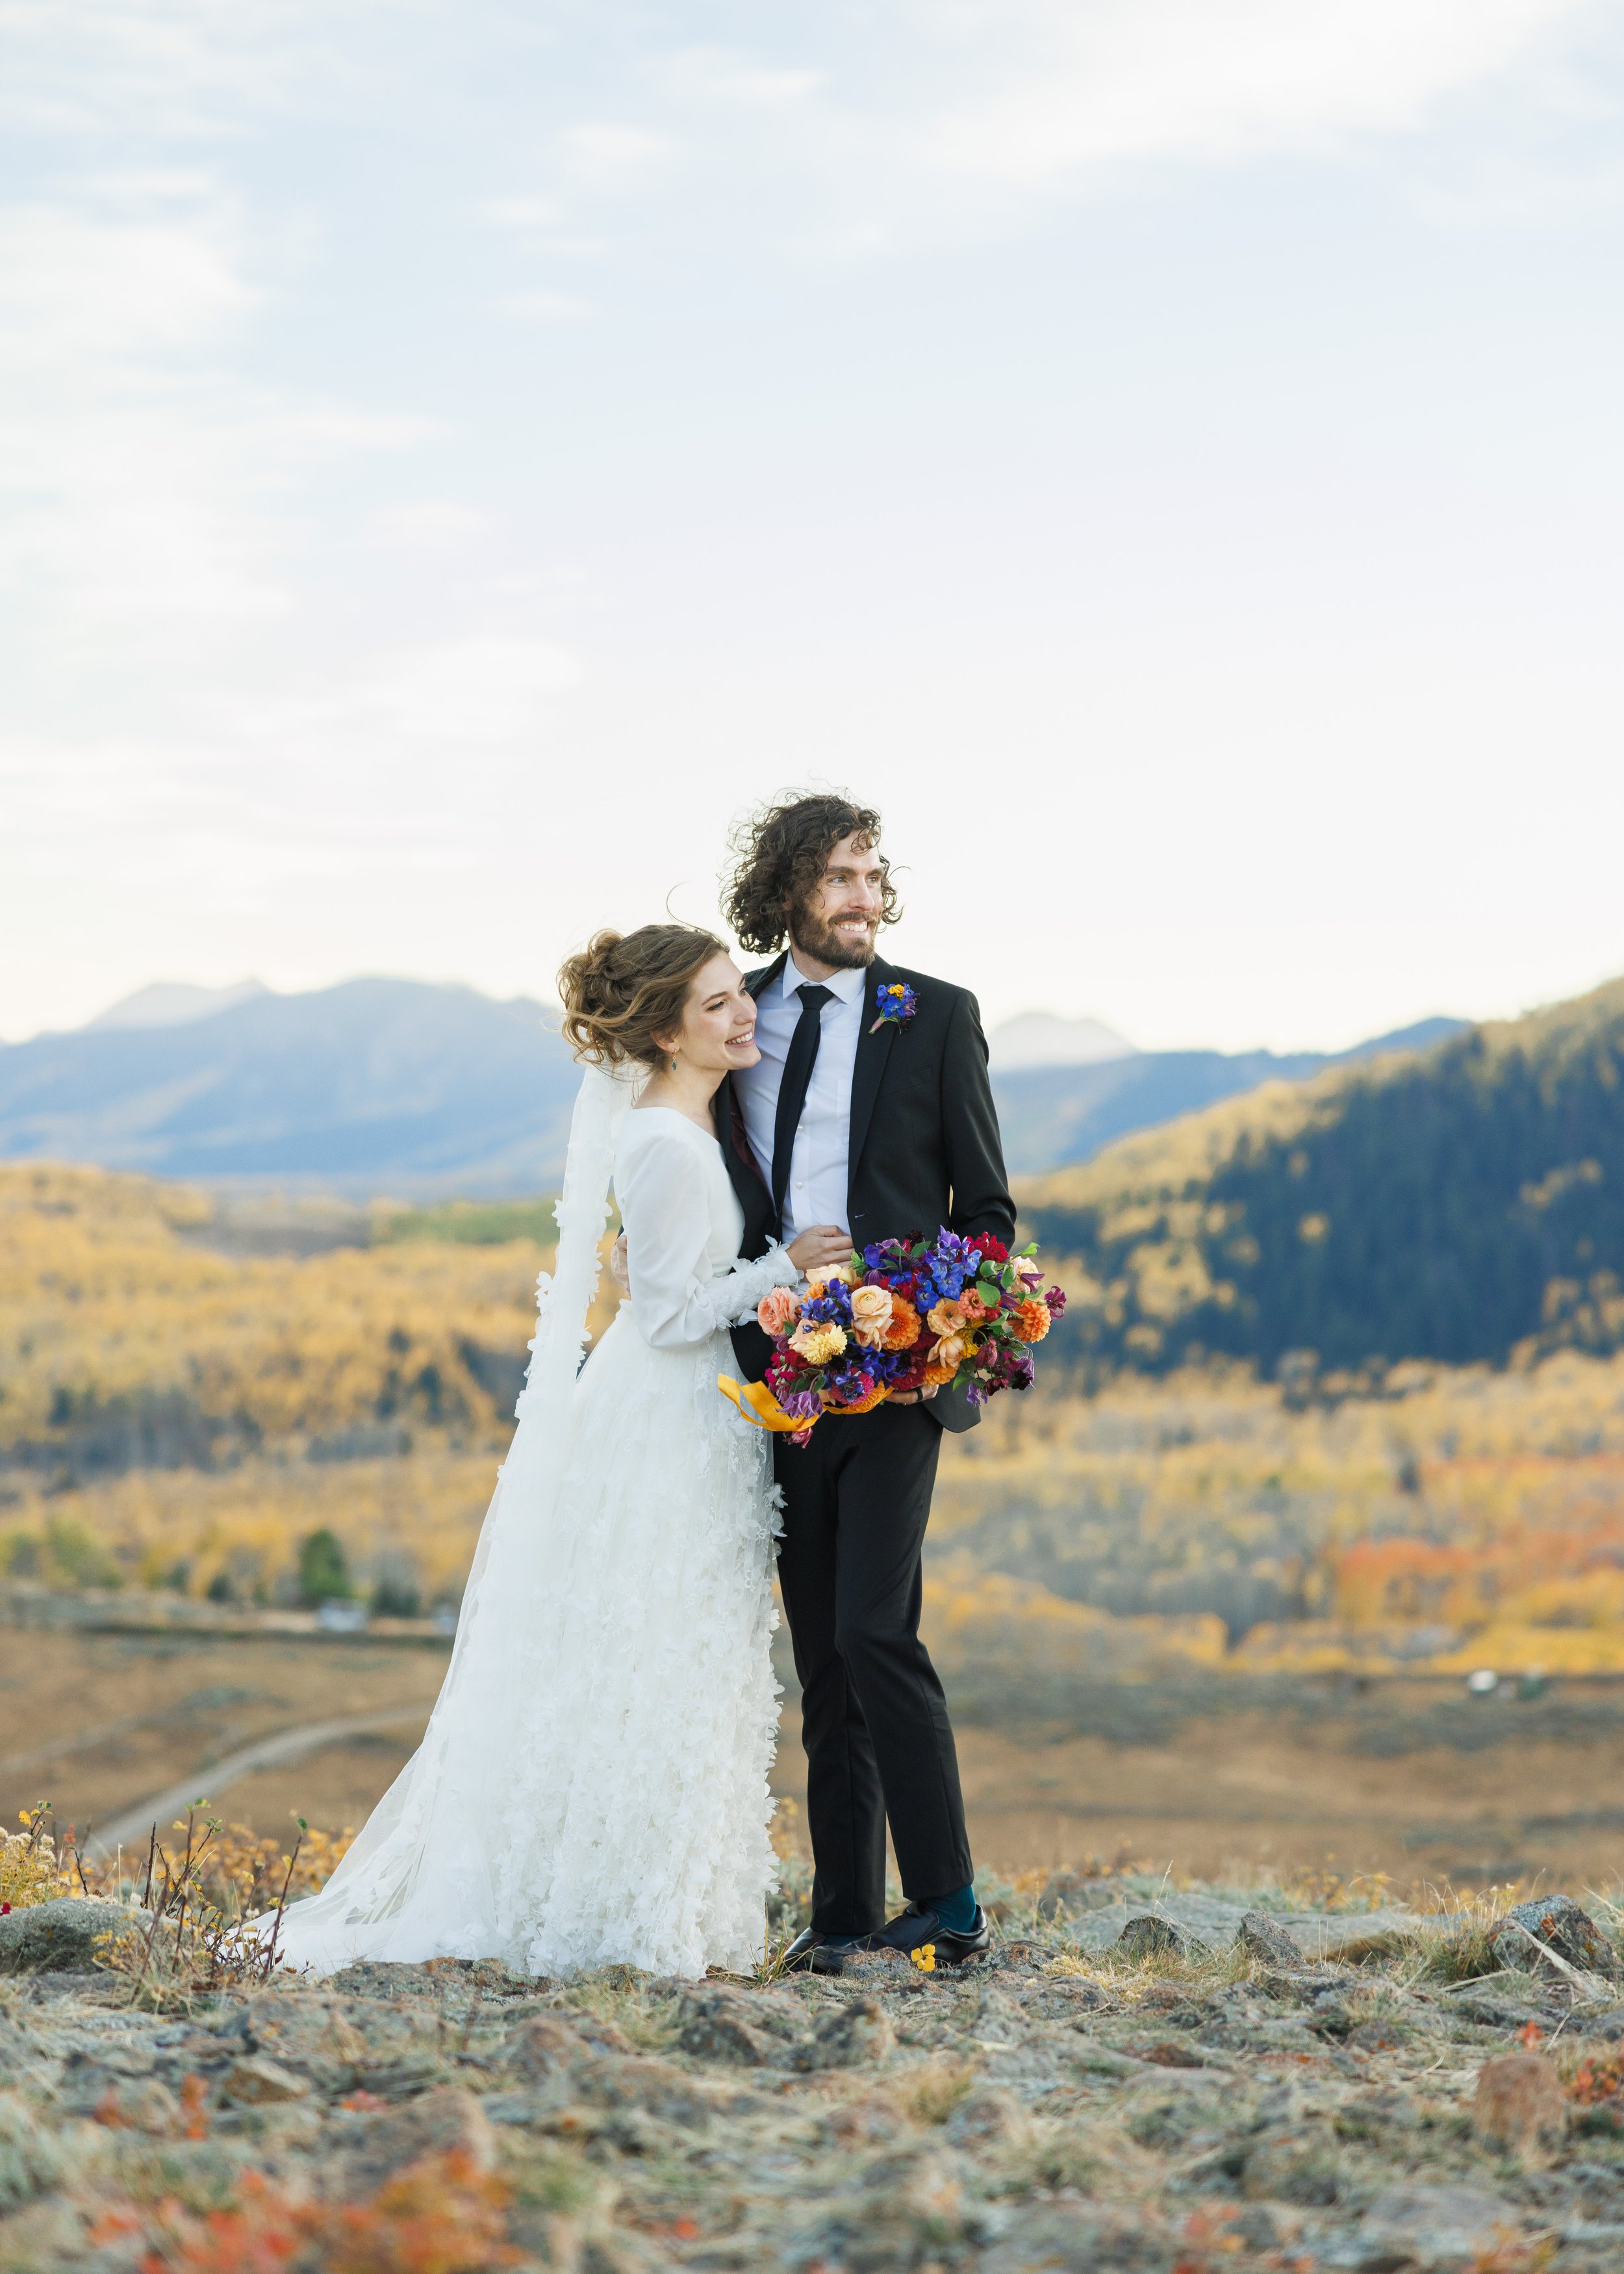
pixel 924 1148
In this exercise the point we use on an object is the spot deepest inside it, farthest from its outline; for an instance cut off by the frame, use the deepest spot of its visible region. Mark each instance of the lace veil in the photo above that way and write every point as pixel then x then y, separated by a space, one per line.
pixel 421 1852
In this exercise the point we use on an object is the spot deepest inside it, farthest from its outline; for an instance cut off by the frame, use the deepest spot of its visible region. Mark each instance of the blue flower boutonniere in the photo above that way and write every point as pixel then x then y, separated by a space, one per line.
pixel 897 1004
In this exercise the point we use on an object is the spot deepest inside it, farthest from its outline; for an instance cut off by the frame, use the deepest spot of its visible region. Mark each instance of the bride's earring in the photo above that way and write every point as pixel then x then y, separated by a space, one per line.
pixel 673 1062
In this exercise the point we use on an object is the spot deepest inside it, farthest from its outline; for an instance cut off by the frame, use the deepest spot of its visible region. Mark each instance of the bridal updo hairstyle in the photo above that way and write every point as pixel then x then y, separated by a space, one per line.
pixel 778 855
pixel 625 988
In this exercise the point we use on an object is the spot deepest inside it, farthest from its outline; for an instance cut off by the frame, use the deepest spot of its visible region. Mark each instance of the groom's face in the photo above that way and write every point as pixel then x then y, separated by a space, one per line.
pixel 838 920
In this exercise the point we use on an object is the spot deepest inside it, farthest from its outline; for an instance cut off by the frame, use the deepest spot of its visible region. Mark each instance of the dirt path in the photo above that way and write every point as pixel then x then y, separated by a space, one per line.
pixel 276 1752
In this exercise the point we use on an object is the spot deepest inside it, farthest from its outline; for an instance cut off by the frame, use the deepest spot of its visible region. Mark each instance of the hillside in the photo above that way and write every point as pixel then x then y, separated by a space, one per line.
pixel 1052 1116
pixel 1462 1205
pixel 392 1086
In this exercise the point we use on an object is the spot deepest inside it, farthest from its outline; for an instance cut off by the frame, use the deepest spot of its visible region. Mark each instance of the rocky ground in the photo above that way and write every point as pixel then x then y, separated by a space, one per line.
pixel 1158 2084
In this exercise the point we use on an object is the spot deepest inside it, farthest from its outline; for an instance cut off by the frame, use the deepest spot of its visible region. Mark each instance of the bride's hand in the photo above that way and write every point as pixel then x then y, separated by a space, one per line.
pixel 620 1270
pixel 819 1245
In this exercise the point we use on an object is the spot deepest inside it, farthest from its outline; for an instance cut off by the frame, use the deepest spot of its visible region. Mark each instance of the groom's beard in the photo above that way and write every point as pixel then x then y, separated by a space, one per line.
pixel 825 945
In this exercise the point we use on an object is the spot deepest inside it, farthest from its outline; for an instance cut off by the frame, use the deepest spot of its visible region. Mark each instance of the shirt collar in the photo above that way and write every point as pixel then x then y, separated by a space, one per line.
pixel 847 984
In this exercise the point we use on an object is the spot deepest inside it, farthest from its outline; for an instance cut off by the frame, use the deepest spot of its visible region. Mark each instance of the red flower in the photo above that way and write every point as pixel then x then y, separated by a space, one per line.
pixel 992 1251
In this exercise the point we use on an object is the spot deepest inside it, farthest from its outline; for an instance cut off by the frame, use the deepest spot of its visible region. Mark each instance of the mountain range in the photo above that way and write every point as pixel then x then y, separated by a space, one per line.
pixel 397 1085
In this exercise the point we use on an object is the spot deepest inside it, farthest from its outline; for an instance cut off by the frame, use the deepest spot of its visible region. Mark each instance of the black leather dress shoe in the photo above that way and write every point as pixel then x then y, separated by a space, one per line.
pixel 812 1952
pixel 919 1925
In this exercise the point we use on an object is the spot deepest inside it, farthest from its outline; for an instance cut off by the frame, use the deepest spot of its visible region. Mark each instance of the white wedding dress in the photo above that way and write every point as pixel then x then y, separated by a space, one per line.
pixel 593 1786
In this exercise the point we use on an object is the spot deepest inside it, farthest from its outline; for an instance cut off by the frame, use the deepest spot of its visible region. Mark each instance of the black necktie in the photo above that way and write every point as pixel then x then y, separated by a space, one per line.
pixel 792 1090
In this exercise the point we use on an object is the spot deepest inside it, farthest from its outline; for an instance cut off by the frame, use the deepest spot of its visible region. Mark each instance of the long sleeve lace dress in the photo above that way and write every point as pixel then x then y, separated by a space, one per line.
pixel 593 1785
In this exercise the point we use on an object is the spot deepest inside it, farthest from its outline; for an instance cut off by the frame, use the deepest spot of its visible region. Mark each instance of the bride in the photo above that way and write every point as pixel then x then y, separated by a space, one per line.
pixel 592 1786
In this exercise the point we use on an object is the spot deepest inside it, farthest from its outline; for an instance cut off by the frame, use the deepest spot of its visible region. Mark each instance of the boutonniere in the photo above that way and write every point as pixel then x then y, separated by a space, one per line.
pixel 897 1004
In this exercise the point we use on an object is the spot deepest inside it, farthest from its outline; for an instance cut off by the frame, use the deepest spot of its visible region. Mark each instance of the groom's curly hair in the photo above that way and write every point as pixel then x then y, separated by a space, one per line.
pixel 778 854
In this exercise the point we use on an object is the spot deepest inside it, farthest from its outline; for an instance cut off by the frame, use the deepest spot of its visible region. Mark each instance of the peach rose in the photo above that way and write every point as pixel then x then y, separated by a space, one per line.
pixel 777 1309
pixel 871 1315
pixel 952 1349
pixel 825 1273
pixel 947 1318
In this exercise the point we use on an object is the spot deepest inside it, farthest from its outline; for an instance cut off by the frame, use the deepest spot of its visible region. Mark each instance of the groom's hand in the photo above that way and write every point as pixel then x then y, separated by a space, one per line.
pixel 914 1396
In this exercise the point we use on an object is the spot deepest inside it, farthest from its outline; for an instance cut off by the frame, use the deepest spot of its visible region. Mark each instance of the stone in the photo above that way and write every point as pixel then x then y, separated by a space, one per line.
pixel 1263 1938
pixel 1066 2238
pixel 1441 2228
pixel 1377 2037
pixel 864 2123
pixel 543 2048
pixel 445 2123
pixel 986 2117
pixel 638 2082
pixel 1168 2052
pixel 255 2082
pixel 31 2162
pixel 1558 1924
pixel 1300 2166
pixel 65 1936
pixel 146 2106
pixel 860 2033
pixel 719 2029
pixel 1519 2106
pixel 1149 1936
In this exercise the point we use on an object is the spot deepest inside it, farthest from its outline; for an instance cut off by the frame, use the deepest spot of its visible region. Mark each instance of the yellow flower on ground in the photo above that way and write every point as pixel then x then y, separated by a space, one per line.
pixel 925 1957
pixel 817 1345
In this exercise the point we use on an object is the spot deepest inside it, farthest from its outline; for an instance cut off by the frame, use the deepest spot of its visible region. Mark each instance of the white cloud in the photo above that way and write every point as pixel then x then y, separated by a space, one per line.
pixel 733 82
pixel 1065 85
pixel 483 688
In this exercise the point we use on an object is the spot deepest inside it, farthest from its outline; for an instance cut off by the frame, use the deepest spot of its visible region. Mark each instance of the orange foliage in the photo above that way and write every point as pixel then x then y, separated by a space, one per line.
pixel 440 2216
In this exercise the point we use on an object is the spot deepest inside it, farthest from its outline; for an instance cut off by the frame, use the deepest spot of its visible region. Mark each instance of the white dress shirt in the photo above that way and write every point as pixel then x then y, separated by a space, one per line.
pixel 818 1165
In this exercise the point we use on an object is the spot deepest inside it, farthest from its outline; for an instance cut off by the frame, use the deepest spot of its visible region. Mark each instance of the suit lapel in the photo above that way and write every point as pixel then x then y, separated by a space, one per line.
pixel 873 1051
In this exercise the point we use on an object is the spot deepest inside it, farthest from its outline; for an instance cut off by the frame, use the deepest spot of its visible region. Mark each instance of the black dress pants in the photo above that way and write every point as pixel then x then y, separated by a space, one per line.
pixel 878 1741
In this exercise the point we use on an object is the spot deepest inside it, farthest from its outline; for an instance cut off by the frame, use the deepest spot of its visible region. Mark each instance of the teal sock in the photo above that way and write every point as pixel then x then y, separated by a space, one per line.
pixel 957 1912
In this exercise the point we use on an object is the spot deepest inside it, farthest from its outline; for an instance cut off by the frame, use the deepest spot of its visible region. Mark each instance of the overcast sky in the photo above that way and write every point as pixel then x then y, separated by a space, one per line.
pixel 455 455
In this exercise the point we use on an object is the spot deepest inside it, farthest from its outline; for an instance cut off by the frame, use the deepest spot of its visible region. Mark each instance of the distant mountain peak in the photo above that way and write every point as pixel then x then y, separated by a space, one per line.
pixel 1040 1038
pixel 173 1003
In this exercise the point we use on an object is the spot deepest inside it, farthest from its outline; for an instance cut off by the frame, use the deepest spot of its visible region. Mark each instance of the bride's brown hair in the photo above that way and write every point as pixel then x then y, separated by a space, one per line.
pixel 625 988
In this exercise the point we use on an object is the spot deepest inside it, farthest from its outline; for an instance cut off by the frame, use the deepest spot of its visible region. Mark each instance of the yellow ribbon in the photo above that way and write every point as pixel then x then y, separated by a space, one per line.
pixel 757 1404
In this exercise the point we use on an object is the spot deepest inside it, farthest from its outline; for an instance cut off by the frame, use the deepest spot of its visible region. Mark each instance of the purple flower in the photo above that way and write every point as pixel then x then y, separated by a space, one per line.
pixel 1056 1301
pixel 801 1405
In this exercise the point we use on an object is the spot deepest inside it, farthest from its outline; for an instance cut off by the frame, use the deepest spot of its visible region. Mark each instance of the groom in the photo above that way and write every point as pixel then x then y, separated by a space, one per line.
pixel 886 1129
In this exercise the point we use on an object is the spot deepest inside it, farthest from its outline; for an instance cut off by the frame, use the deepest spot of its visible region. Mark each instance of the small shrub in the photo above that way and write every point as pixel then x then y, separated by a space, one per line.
pixel 324 1571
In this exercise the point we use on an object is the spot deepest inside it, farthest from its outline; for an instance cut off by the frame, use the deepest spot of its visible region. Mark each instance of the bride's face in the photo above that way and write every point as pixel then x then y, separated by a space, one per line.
pixel 719 1020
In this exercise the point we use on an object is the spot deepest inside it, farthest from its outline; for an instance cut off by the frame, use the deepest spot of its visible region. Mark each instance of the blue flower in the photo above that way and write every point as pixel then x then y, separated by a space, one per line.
pixel 897 1004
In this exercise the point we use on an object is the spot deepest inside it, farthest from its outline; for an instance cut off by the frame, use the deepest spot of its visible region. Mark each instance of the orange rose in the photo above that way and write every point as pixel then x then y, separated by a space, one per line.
pixel 903 1331
pixel 952 1349
pixel 1030 1320
pixel 872 1316
pixel 777 1309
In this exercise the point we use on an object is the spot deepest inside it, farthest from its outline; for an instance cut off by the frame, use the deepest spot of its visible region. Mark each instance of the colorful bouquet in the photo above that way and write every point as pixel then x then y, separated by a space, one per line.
pixel 905 1315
